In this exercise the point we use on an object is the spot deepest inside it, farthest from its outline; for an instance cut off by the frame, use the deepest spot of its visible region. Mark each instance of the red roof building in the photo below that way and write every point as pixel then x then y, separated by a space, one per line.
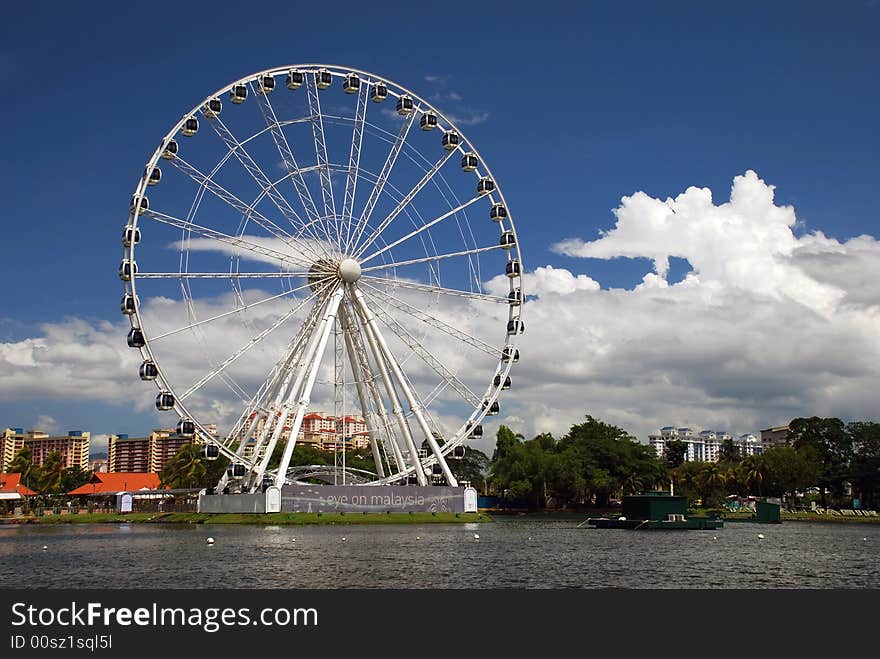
pixel 10 485
pixel 120 481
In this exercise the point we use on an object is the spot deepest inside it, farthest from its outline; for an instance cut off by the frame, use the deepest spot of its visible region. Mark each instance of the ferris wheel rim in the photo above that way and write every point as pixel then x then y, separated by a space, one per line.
pixel 396 90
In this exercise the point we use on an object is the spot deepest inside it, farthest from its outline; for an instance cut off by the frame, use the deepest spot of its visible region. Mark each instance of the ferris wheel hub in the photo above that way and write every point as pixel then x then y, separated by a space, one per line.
pixel 350 271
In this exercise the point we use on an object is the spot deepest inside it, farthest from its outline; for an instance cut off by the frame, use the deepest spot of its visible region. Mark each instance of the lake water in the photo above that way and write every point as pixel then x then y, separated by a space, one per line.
pixel 513 552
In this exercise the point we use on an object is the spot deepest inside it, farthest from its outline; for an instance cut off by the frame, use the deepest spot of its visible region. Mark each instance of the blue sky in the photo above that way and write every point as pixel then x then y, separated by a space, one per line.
pixel 574 105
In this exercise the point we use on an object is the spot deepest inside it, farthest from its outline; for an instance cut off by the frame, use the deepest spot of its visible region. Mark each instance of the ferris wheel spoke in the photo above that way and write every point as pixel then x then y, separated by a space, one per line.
pixel 354 160
pixel 225 238
pixel 220 275
pixel 436 257
pixel 433 321
pixel 321 155
pixel 294 172
pixel 256 172
pixel 247 346
pixel 404 335
pixel 403 204
pixel 412 399
pixel 382 178
pixel 416 232
pixel 428 288
pixel 225 314
pixel 223 194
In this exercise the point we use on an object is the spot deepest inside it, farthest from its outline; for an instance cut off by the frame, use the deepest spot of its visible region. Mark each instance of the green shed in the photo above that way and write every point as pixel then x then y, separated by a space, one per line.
pixel 653 506
pixel 768 513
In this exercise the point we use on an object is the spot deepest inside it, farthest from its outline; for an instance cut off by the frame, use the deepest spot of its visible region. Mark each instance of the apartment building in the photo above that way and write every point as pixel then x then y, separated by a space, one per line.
pixel 73 447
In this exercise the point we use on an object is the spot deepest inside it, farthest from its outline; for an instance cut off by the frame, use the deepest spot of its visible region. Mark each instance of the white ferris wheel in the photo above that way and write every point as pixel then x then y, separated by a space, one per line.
pixel 317 239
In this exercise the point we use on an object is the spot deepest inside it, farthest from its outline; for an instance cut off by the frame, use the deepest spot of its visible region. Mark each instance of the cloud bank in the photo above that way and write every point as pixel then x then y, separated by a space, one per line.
pixel 766 326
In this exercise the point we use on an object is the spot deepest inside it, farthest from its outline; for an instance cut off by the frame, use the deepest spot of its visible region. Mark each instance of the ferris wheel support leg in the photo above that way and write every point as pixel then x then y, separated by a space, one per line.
pixel 385 423
pixel 414 405
pixel 305 399
pixel 274 400
pixel 293 391
pixel 369 417
pixel 396 408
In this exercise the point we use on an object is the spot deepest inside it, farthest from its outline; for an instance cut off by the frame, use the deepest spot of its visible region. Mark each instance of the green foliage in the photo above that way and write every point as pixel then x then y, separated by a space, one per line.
pixel 52 474
pixel 865 464
pixel 591 463
pixel 22 463
pixel 833 446
pixel 676 450
pixel 473 467
pixel 186 469
pixel 787 470
pixel 505 440
pixel 729 451
pixel 74 477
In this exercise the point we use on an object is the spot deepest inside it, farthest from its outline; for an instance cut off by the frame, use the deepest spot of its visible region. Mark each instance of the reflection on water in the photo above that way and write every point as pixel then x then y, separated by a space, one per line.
pixel 511 553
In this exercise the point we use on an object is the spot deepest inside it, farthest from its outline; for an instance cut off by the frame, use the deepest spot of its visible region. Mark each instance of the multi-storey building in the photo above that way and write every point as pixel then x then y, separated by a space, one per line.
pixel 128 454
pixel 73 447
pixel 321 431
pixel 144 454
pixel 704 446
pixel 775 436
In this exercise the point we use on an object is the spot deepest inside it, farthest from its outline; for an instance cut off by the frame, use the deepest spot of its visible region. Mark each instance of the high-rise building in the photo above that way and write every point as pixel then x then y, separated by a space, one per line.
pixel 144 454
pixel 704 446
pixel 73 447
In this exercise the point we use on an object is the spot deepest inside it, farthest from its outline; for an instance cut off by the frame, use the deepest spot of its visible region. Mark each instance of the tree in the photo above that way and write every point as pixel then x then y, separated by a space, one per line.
pixel 609 459
pixel 52 474
pixel 786 470
pixel 729 451
pixel 752 474
pixel 676 450
pixel 685 477
pixel 473 467
pixel 505 439
pixel 186 469
pixel 22 463
pixel 833 446
pixel 74 477
pixel 865 464
pixel 710 482
pixel 521 472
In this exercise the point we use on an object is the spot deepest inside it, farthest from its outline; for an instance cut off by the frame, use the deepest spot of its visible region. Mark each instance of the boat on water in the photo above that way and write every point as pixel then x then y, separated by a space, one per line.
pixel 654 511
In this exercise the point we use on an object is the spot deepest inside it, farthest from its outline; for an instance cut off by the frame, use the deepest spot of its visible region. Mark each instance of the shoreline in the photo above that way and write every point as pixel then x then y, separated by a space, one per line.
pixel 255 518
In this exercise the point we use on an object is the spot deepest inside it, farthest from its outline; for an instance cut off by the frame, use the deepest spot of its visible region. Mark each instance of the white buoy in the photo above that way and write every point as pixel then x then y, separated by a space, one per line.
pixel 293 539
pixel 418 537
pixel 714 537
pixel 530 537
pixel 343 538
pixel 476 536
pixel 45 547
pixel 210 541
pixel 760 536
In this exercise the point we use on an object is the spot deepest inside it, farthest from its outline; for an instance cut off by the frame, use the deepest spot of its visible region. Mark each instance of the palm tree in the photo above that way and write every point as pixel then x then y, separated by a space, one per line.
pixel 53 472
pixel 632 484
pixel 754 474
pixel 185 469
pixel 23 464
pixel 711 477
